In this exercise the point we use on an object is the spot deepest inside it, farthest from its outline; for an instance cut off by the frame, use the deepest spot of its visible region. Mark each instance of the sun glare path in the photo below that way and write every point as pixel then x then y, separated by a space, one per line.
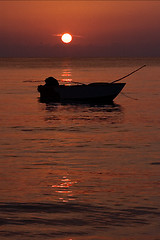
pixel 66 38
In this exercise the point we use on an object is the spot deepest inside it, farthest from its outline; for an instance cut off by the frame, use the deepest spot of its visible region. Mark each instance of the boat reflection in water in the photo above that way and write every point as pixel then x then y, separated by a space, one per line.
pixel 83 114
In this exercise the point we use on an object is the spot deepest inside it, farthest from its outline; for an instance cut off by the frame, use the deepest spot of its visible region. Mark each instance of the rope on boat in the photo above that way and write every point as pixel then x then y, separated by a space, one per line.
pixel 126 95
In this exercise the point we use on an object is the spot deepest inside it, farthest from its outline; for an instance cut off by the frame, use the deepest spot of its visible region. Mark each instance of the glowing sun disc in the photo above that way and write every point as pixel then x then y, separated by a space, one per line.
pixel 66 38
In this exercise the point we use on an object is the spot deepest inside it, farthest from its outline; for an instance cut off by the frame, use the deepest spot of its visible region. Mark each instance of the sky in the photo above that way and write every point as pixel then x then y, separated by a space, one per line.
pixel 99 28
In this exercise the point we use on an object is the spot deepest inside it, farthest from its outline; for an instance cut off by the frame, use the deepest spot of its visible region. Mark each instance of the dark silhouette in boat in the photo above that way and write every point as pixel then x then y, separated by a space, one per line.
pixel 49 92
pixel 97 92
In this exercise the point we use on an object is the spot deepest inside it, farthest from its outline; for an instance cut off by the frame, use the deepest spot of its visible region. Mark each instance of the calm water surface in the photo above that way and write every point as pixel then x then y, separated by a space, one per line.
pixel 79 171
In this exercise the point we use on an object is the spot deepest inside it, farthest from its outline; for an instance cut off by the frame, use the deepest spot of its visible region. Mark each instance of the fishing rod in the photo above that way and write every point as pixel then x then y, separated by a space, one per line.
pixel 114 80
pixel 73 82
pixel 78 83
pixel 129 74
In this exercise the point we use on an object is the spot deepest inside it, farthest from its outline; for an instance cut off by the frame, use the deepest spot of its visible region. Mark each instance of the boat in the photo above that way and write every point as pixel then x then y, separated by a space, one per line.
pixel 96 92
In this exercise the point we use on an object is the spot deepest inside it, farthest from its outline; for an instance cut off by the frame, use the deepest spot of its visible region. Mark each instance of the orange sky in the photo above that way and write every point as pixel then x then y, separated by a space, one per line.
pixel 124 26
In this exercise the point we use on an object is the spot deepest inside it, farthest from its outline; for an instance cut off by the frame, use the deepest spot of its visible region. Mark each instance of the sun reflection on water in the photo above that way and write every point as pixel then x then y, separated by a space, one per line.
pixel 66 76
pixel 65 189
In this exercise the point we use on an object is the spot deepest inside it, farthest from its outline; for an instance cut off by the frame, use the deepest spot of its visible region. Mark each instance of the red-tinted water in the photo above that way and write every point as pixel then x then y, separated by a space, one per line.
pixel 79 171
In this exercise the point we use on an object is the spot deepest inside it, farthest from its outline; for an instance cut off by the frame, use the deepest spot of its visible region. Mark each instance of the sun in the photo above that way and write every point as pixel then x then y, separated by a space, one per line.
pixel 66 38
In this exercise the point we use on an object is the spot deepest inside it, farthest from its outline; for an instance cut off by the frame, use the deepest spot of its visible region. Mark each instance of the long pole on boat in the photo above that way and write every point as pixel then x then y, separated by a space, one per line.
pixel 129 74
pixel 79 83
pixel 75 82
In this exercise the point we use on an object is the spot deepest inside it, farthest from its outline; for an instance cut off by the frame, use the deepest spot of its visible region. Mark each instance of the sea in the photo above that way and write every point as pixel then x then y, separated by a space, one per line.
pixel 79 171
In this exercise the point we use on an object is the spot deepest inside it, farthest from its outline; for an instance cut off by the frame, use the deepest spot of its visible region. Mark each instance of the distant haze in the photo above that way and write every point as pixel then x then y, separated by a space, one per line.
pixel 99 28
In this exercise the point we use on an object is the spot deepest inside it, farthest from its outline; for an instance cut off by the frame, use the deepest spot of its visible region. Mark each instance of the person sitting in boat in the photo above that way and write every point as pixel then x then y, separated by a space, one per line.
pixel 49 91
pixel 51 81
